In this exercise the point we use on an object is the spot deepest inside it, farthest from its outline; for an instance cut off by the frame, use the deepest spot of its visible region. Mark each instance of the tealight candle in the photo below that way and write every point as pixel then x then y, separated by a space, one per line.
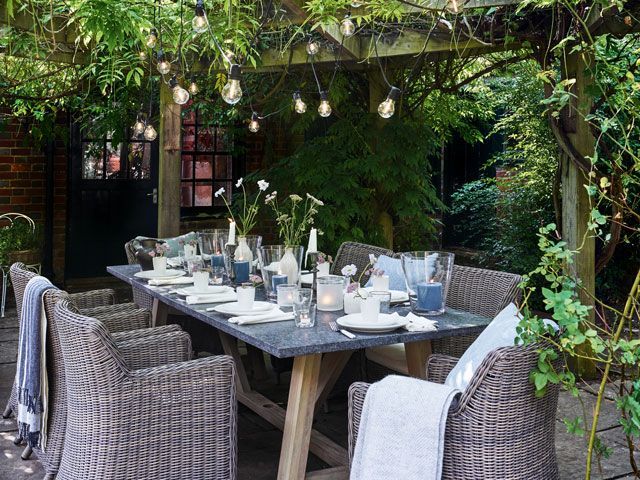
pixel 285 294
pixel 330 293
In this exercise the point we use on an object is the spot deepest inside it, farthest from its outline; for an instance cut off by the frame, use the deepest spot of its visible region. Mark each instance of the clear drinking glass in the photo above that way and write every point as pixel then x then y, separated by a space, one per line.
pixel 304 318
pixel 217 275
pixel 384 298
pixel 428 275
pixel 246 296
pixel 194 264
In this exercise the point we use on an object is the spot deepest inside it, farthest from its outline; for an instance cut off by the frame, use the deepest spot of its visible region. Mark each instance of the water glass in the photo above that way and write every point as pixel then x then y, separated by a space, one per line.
pixel 370 309
pixel 285 294
pixel 201 280
pixel 217 275
pixel 194 264
pixel 246 296
pixel 304 318
pixel 384 298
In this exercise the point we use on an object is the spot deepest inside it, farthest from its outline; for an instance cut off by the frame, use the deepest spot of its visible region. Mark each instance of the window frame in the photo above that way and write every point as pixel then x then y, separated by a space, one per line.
pixel 124 157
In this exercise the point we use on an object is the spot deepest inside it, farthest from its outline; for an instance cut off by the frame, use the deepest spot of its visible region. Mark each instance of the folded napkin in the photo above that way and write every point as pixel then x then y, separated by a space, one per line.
pixel 174 262
pixel 275 315
pixel 212 298
pixel 420 324
pixel 157 282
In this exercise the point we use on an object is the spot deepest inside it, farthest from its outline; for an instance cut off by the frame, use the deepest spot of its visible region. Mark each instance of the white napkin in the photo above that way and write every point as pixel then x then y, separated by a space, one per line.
pixel 275 315
pixel 174 262
pixel 212 298
pixel 171 281
pixel 420 324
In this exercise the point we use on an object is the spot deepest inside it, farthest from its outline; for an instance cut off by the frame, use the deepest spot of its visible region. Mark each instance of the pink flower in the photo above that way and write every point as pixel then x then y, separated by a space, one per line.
pixel 353 287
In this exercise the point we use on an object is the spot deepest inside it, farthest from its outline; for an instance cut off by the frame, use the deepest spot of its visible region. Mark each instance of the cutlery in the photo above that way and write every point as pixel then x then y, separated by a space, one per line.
pixel 335 328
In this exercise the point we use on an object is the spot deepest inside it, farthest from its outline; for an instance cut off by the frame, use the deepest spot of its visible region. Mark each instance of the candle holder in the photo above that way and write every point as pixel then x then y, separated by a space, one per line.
pixel 428 275
pixel 314 263
pixel 231 250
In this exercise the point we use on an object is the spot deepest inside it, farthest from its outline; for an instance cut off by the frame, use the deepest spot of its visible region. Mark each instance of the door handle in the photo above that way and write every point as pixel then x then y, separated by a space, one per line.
pixel 154 194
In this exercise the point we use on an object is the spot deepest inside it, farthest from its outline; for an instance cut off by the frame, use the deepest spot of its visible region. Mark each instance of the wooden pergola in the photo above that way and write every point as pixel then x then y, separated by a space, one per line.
pixel 357 52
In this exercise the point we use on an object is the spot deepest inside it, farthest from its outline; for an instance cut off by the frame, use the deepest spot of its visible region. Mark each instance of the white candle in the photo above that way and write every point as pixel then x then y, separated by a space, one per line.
pixel 232 233
pixel 313 241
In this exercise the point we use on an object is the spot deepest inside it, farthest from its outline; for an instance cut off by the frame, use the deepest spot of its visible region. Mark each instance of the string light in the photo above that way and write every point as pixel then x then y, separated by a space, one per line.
pixel 152 38
pixel 347 27
pixel 150 133
pixel 232 91
pixel 193 87
pixel 163 65
pixel 138 127
pixel 388 106
pixel 254 124
pixel 180 95
pixel 200 23
pixel 142 55
pixel 312 48
pixel 356 4
pixel 298 104
pixel 324 109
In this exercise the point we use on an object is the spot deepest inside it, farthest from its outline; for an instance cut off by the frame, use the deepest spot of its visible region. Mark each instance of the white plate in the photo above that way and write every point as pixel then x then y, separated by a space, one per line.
pixel 152 274
pixel 234 308
pixel 397 296
pixel 211 289
pixel 385 323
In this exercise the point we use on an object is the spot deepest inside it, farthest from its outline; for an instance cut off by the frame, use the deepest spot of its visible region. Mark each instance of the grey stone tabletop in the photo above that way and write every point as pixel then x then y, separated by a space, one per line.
pixel 283 339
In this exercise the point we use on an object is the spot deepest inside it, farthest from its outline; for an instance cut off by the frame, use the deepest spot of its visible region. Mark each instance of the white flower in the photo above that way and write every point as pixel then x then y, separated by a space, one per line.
pixel 372 259
pixel 271 197
pixel 262 185
pixel 349 270
pixel 315 200
pixel 239 183
pixel 219 192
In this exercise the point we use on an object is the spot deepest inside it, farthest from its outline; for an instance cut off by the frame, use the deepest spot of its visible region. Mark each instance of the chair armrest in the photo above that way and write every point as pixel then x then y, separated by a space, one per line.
pixel 156 350
pixel 439 366
pixel 107 309
pixel 94 298
pixel 123 321
pixel 144 332
pixel 357 393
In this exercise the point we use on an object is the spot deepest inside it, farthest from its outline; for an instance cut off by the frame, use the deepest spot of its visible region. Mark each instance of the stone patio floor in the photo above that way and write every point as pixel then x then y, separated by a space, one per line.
pixel 259 442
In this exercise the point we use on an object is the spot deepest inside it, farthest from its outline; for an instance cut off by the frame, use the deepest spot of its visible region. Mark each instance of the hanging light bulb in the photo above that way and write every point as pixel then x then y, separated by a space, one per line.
pixel 193 87
pixel 324 109
pixel 199 22
pixel 347 27
pixel 356 4
pixel 163 65
pixel 180 95
pixel 152 38
pixel 232 92
pixel 298 104
pixel 388 106
pixel 138 127
pixel 254 124
pixel 312 48
pixel 142 55
pixel 150 133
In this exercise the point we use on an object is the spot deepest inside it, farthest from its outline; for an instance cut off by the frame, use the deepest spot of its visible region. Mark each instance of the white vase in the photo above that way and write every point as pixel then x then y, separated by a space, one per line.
pixel 243 251
pixel 289 266
pixel 160 264
pixel 323 269
pixel 352 303
pixel 380 283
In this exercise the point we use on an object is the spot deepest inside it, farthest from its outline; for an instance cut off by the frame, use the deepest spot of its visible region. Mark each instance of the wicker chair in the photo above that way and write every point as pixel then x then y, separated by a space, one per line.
pixel 140 297
pixel 475 290
pixel 499 429
pixel 116 320
pixel 118 427
pixel 357 254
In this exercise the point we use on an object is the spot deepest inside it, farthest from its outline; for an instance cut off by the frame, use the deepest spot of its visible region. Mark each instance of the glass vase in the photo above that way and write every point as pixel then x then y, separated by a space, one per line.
pixel 212 246
pixel 428 275
pixel 276 272
pixel 247 250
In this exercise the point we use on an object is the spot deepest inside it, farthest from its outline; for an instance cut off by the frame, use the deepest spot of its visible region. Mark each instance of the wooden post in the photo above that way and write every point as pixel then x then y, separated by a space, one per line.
pixel 377 93
pixel 576 206
pixel 169 165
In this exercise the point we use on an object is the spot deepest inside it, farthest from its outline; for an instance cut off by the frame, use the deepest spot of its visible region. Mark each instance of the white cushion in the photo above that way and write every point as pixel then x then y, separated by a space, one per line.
pixel 391 356
pixel 501 332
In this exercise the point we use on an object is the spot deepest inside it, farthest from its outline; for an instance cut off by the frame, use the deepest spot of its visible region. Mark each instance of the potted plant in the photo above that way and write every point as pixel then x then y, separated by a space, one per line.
pixel 20 242
pixel 159 256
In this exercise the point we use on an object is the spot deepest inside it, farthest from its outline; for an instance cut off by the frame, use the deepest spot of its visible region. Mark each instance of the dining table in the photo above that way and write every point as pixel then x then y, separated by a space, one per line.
pixel 319 356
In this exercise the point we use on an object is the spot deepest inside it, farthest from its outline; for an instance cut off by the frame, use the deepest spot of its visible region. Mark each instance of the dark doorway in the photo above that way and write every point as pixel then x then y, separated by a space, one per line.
pixel 112 198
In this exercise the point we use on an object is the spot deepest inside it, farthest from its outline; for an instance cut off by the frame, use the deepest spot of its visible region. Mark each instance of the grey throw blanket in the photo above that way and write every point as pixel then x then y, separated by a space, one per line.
pixel 31 374
pixel 401 434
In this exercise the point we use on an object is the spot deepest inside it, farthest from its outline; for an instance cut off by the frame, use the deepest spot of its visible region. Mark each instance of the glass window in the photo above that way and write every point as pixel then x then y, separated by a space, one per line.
pixel 104 160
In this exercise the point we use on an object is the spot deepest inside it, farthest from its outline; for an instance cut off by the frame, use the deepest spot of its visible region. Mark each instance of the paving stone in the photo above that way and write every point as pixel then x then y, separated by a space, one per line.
pixel 570 407
pixel 12 467
pixel 8 334
pixel 8 351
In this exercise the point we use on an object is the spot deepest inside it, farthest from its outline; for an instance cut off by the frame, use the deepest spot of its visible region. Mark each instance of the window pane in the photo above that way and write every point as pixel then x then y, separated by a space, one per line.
pixel 205 139
pixel 224 167
pixel 185 195
pixel 92 160
pixel 204 194
pixel 204 166
pixel 139 161
pixel 189 139
pixel 219 201
pixel 187 166
pixel 224 142
pixel 113 160
pixel 188 117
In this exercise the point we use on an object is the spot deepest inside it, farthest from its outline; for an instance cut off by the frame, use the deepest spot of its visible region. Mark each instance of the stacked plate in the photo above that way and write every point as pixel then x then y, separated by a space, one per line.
pixel 386 323
pixel 156 275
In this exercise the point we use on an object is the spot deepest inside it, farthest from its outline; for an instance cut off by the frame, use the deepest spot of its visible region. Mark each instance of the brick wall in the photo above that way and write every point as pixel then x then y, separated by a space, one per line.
pixel 23 182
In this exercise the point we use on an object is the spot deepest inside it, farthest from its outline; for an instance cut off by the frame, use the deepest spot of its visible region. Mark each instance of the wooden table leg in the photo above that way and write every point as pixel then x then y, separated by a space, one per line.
pixel 417 354
pixel 299 418
pixel 159 312
pixel 256 359
pixel 230 347
pixel 333 364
